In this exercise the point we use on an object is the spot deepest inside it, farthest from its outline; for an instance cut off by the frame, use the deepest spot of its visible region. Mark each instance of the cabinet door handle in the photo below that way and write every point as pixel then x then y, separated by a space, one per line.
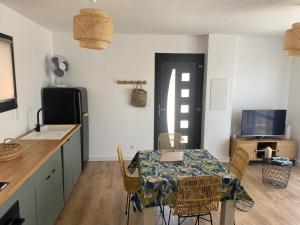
pixel 48 177
pixel 53 171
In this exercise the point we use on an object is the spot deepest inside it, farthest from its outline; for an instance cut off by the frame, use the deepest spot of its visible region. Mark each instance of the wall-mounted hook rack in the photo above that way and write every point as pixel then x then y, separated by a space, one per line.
pixel 131 82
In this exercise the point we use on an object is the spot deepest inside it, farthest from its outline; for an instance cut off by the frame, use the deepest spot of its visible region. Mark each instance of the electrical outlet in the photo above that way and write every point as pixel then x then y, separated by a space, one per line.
pixel 133 147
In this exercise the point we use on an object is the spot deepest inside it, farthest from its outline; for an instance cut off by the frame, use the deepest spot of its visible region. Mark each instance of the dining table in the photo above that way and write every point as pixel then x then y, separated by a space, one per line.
pixel 158 182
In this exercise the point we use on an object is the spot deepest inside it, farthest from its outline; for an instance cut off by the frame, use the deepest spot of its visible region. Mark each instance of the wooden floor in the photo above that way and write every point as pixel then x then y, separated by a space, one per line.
pixel 99 199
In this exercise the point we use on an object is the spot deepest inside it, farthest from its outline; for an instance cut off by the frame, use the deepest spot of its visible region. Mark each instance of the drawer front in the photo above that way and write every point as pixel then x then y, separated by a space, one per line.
pixel 287 150
pixel 49 199
pixel 250 148
pixel 54 163
pixel 49 190
pixel 67 170
pixel 77 164
pixel 71 163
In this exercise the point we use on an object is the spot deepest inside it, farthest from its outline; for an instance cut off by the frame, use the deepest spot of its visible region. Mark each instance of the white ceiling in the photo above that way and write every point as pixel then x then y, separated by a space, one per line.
pixel 254 17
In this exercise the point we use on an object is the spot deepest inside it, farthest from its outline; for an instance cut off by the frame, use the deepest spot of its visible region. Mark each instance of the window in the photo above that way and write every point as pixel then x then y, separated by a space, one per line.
pixel 184 109
pixel 185 93
pixel 8 94
pixel 184 124
pixel 185 77
pixel 171 103
pixel 185 139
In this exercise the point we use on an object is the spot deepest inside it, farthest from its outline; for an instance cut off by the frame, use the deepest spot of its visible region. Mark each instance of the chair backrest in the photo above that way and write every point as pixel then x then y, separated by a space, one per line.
pixel 170 141
pixel 239 163
pixel 198 195
pixel 131 184
pixel 121 161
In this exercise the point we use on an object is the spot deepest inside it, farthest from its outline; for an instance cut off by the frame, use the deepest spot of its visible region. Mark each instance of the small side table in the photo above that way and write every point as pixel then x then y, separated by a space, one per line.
pixel 275 175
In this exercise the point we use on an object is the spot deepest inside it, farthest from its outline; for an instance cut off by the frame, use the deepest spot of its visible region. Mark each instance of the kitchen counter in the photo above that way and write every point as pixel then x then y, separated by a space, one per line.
pixel 35 154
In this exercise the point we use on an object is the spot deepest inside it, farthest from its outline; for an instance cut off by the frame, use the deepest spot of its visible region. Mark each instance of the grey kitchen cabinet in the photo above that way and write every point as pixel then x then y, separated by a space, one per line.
pixel 26 197
pixel 72 163
pixel 41 197
pixel 49 190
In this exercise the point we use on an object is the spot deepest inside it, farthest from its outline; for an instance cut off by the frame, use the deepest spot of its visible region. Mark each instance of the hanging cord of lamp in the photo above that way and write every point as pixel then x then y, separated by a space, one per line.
pixel 92 28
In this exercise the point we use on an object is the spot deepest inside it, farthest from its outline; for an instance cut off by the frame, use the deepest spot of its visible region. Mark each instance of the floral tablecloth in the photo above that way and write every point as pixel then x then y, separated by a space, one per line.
pixel 159 179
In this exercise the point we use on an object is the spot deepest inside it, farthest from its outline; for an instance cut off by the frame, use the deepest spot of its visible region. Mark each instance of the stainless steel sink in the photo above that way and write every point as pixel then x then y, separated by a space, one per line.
pixel 49 132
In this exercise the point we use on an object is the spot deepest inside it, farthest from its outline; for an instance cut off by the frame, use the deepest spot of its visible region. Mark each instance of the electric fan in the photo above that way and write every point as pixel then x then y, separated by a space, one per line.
pixel 60 67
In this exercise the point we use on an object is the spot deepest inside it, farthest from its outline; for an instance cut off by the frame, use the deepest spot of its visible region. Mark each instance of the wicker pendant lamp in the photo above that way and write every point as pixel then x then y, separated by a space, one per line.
pixel 92 28
pixel 292 40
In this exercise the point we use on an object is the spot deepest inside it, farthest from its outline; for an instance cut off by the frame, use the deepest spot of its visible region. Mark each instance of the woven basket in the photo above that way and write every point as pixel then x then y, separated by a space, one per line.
pixel 9 151
pixel 138 96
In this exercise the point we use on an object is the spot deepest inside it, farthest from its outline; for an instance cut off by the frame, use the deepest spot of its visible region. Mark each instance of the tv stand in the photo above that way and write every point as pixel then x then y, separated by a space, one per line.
pixel 256 147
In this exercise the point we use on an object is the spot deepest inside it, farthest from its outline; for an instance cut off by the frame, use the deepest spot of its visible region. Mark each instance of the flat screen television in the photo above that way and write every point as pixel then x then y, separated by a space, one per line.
pixel 263 123
pixel 8 92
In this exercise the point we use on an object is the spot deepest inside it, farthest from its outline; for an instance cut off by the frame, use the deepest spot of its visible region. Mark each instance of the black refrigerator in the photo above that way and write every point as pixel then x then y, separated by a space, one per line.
pixel 68 105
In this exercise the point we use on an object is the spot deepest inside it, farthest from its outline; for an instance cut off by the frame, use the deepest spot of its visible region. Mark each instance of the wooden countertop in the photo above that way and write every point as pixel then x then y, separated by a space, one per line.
pixel 35 154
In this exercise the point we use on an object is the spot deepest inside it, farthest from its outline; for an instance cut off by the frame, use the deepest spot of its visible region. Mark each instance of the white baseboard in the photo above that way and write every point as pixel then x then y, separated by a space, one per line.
pixel 109 158
pixel 224 159
pixel 102 158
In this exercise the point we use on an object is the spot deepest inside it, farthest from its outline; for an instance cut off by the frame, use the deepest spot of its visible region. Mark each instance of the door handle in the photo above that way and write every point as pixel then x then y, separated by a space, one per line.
pixel 160 109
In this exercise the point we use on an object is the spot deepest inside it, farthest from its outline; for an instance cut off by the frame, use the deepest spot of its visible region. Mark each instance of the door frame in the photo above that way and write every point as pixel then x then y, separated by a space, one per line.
pixel 200 58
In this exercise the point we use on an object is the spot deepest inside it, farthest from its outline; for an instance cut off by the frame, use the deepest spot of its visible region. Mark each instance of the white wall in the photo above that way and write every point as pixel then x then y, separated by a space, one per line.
pixel 32 44
pixel 221 64
pixel 293 105
pixel 250 64
pixel 262 76
pixel 112 119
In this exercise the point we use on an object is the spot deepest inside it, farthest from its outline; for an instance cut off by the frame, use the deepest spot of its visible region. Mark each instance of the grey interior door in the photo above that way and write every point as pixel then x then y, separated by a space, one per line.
pixel 178 96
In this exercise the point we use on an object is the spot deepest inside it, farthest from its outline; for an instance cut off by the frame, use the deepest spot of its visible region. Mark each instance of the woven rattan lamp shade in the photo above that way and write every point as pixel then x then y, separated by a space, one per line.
pixel 92 28
pixel 292 40
pixel 291 43
pixel 296 29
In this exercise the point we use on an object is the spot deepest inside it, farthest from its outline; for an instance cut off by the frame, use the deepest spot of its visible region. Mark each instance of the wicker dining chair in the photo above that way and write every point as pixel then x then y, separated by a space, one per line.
pixel 131 184
pixel 239 163
pixel 197 197
pixel 168 141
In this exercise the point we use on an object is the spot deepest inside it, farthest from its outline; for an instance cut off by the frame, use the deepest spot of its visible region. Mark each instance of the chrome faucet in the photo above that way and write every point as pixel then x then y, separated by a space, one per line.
pixel 38 126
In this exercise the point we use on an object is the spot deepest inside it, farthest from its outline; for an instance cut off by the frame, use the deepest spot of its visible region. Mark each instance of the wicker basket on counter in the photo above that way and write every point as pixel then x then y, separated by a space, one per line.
pixel 9 150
